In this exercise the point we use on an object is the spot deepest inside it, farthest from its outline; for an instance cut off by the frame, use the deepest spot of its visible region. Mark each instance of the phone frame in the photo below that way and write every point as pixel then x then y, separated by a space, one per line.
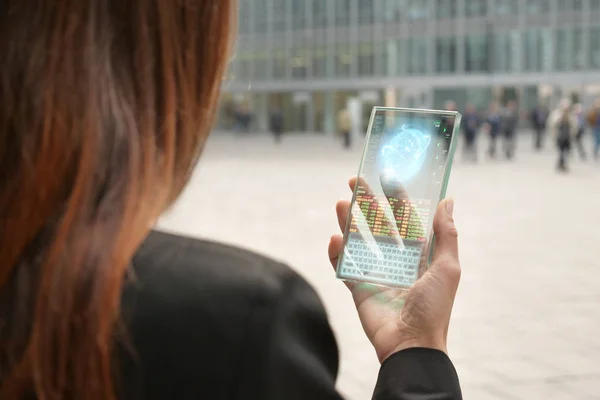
pixel 447 169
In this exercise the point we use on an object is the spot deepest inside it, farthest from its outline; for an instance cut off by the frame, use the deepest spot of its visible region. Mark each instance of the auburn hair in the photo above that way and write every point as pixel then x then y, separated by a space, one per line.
pixel 104 109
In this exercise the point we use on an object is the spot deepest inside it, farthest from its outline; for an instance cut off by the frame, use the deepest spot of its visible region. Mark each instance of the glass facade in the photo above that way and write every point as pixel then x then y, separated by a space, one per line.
pixel 354 45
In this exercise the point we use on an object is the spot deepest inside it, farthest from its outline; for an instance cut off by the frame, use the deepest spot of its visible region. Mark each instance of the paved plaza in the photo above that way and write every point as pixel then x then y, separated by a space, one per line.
pixel 526 323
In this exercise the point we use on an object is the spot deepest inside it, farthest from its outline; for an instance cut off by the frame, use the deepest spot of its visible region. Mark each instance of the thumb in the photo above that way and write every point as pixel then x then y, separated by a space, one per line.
pixel 446 235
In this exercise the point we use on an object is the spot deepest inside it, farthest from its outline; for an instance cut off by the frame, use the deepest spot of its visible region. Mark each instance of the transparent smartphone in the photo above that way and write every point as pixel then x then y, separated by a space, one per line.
pixel 403 175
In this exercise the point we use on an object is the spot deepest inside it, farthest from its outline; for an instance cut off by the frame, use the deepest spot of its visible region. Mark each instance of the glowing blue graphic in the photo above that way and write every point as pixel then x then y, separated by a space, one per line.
pixel 403 155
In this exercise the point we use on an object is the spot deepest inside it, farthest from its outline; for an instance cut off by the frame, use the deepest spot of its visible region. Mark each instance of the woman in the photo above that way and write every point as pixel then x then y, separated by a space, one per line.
pixel 106 106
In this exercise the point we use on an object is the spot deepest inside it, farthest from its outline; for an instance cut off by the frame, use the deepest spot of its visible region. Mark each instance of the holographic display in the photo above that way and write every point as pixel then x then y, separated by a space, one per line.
pixel 403 175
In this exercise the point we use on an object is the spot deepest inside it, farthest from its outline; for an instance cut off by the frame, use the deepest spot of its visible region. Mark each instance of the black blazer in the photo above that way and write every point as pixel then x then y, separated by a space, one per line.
pixel 210 321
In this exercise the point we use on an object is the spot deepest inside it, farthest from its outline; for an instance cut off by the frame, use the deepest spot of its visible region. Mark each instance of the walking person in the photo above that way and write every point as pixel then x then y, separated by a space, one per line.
pixel 593 120
pixel 509 121
pixel 493 122
pixel 276 124
pixel 563 124
pixel 345 127
pixel 539 117
pixel 581 122
pixel 470 126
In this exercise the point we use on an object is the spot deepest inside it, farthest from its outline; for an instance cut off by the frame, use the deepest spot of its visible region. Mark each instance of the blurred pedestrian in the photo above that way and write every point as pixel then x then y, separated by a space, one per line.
pixel 563 125
pixel 470 126
pixel 509 121
pixel 345 127
pixel 539 117
pixel 593 120
pixel 493 122
pixel 276 124
pixel 581 122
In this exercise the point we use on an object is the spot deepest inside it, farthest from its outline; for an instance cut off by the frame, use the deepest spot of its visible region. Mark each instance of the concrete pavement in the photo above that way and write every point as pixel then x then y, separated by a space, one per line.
pixel 526 323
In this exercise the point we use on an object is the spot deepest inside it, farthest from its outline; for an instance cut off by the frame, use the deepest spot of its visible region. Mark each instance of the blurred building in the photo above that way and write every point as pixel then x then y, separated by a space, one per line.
pixel 310 57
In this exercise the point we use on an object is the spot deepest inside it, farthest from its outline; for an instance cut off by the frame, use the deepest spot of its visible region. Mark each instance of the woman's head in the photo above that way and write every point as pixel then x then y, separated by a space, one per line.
pixel 104 109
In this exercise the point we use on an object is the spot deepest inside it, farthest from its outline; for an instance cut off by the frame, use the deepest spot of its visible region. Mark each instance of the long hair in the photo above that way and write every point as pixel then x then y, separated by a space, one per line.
pixel 104 110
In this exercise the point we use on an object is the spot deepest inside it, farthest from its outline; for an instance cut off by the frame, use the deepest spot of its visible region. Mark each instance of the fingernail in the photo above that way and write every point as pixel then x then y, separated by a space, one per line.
pixel 450 207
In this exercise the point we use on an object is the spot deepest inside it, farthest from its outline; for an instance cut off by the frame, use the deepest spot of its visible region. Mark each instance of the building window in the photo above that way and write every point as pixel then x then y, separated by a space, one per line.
pixel 476 8
pixel 319 57
pixel 570 54
pixel 595 47
pixel 507 52
pixel 366 60
pixel 319 13
pixel 506 7
pixel 299 63
pixel 445 9
pixel 538 50
pixel 365 11
pixel 392 10
pixel 476 53
pixel 418 9
pixel 343 60
pixel 260 16
pixel 298 14
pixel 445 55
pixel 279 16
pixel 244 70
pixel 279 63
pixel 342 12
pixel 261 59
pixel 417 56
pixel 537 6
pixel 570 5
pixel 244 17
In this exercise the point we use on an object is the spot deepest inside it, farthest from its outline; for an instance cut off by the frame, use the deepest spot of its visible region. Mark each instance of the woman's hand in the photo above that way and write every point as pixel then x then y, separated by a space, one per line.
pixel 394 319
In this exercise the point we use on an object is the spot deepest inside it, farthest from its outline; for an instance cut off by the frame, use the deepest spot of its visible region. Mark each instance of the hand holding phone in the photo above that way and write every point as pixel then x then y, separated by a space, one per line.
pixel 396 319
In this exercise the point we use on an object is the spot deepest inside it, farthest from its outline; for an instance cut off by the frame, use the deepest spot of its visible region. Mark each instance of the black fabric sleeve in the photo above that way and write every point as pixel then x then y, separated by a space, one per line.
pixel 303 354
pixel 417 374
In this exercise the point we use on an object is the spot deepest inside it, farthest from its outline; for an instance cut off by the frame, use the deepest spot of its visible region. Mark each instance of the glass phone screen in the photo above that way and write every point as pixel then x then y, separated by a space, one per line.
pixel 403 176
